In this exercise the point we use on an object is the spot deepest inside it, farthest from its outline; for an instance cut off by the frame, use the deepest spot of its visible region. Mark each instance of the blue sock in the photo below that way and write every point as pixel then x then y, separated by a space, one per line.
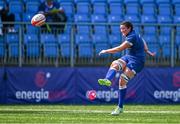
pixel 122 95
pixel 110 74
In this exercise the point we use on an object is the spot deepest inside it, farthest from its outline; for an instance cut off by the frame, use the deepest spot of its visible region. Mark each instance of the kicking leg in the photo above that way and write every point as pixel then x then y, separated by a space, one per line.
pixel 125 77
pixel 115 66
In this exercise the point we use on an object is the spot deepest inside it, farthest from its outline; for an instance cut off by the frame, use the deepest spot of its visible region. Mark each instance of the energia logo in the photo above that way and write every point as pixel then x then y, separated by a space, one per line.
pixel 102 94
pixel 40 80
pixel 166 94
pixel 36 95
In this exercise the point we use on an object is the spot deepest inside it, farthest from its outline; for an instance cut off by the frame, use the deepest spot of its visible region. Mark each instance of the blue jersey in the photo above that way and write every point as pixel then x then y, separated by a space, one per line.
pixel 45 8
pixel 137 45
pixel 135 58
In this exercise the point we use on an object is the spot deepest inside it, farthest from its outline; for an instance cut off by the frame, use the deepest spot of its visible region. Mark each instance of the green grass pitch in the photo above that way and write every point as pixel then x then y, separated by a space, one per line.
pixel 89 114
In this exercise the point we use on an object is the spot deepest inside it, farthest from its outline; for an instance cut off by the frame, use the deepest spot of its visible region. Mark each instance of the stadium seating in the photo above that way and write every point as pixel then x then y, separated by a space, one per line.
pixel 99 38
pixel 82 38
pixel 164 39
pixel 95 22
pixel 116 8
pixel 149 9
pixel 50 50
pixel 147 1
pixel 65 50
pixel 99 8
pixel 16 7
pixel 85 50
pixel 83 7
pixel 132 8
pixel 162 1
pixel 165 9
pixel 32 6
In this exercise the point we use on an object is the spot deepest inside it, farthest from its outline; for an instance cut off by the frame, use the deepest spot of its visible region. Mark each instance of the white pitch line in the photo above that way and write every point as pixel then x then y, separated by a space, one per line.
pixel 89 111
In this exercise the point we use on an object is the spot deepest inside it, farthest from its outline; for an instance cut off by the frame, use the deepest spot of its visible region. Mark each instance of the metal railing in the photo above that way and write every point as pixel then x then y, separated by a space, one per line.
pixel 74 60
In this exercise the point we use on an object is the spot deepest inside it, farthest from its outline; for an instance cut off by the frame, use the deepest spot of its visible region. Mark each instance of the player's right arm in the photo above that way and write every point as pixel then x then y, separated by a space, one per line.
pixel 119 48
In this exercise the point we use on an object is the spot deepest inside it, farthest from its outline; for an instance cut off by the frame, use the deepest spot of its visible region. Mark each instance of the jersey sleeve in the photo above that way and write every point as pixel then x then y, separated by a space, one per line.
pixel 130 40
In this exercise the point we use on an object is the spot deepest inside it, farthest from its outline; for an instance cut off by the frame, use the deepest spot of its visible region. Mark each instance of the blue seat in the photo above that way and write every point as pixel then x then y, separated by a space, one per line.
pixel 32 6
pixel 51 50
pixel 31 38
pixel 131 1
pixel 166 50
pixel 13 50
pixel 33 49
pixel 150 38
pixel 99 8
pixel 68 7
pixel 114 1
pixel 100 29
pixel 149 8
pixel 163 1
pixel 31 29
pixel 164 39
pixel 114 18
pixel 85 50
pixel 48 38
pixel 165 20
pixel 83 7
pixel 176 19
pixel 27 16
pixel 64 38
pixel 65 50
pixel 175 2
pixel 115 39
pixel 96 18
pixel 177 40
pixel 83 1
pixel 65 1
pixel 99 38
pixel 16 7
pixel 2 50
pixel 148 19
pixel 116 8
pixel 81 18
pixel 98 1
pixel 82 38
pixel 177 8
pixel 115 29
pixel 83 29
pixel 133 8
pixel 147 1
pixel 149 30
pixel 12 38
pixel 133 18
pixel 165 9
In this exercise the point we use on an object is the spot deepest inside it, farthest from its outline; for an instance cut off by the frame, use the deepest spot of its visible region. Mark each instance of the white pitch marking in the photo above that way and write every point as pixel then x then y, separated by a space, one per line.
pixel 90 111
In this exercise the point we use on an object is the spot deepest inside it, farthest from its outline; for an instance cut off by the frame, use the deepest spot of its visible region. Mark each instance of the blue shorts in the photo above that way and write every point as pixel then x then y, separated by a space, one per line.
pixel 133 63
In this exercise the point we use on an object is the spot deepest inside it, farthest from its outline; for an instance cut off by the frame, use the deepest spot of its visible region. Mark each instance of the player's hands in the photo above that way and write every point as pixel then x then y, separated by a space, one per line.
pixel 102 52
pixel 151 53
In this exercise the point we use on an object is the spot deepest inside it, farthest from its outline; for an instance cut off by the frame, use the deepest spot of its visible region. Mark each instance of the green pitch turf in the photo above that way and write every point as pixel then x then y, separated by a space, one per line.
pixel 89 114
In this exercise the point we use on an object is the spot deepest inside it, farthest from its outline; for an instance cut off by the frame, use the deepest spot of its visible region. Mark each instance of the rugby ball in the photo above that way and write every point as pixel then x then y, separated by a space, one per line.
pixel 38 20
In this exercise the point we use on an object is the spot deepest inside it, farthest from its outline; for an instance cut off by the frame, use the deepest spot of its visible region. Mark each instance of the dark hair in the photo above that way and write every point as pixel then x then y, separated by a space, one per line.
pixel 128 24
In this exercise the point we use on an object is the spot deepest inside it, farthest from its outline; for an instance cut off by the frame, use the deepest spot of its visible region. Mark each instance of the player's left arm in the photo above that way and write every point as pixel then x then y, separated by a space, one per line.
pixel 146 49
